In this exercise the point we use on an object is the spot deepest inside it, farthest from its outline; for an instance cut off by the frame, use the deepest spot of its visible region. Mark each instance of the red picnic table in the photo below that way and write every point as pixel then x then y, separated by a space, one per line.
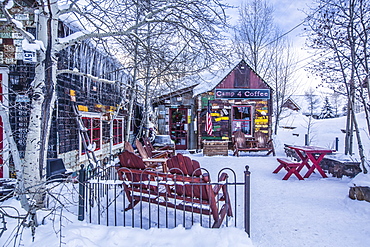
pixel 306 153
pixel 313 154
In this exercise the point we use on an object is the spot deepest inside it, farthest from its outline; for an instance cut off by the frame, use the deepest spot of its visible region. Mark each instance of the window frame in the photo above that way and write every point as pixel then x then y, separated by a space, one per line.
pixel 93 124
pixel 97 136
pixel 243 122
pixel 118 131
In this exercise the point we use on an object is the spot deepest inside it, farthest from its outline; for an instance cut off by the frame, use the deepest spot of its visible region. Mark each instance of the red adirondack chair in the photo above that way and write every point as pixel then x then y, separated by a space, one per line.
pixel 185 187
pixel 150 149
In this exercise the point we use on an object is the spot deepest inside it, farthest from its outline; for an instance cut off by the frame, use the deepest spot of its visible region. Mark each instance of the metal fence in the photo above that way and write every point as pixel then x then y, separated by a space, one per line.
pixel 102 200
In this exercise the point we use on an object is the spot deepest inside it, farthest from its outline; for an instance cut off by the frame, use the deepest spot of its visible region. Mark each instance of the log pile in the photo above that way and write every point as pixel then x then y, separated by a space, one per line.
pixel 340 168
pixel 360 193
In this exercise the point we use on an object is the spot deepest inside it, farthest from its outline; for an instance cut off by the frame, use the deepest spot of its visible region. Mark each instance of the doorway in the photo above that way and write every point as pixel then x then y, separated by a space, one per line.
pixel 242 119
pixel 179 127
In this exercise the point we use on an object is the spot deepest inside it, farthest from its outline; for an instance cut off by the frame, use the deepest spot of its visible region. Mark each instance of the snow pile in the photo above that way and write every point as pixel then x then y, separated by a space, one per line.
pixel 76 234
pixel 360 180
pixel 37 45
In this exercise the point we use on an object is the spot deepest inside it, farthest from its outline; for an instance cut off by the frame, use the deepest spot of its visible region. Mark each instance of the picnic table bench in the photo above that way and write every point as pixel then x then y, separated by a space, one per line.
pixel 183 187
pixel 289 166
pixel 310 157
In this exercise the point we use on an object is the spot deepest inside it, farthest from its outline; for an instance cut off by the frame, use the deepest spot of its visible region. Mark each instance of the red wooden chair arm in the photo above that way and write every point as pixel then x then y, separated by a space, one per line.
pixel 165 148
pixel 160 155
pixel 218 187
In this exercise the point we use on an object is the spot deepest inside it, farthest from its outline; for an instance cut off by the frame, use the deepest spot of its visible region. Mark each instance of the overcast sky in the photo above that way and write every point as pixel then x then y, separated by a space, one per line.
pixel 287 15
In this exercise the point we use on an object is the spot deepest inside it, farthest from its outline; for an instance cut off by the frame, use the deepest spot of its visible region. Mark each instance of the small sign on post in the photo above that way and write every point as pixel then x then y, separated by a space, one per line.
pixel 29 56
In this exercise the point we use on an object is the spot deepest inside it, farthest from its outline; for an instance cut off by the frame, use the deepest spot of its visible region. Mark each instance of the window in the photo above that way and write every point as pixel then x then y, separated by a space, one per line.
pixel 99 132
pixel 106 132
pixel 93 132
pixel 117 131
pixel 242 119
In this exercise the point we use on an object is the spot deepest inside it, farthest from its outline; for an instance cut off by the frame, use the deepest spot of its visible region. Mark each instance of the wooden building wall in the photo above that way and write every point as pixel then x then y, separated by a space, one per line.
pixel 241 87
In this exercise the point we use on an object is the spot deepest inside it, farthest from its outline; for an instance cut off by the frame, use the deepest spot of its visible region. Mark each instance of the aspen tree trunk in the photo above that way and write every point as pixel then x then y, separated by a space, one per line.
pixel 359 143
pixel 133 83
pixel 351 96
pixel 4 113
pixel 42 104
pixel 31 174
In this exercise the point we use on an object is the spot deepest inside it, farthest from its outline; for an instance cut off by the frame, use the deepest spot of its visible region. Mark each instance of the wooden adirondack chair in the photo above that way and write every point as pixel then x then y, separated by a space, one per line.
pixel 150 149
pixel 132 168
pixel 240 142
pixel 137 162
pixel 263 143
pixel 150 159
pixel 259 143
pixel 146 153
pixel 191 193
pixel 203 194
pixel 129 147
pixel 183 165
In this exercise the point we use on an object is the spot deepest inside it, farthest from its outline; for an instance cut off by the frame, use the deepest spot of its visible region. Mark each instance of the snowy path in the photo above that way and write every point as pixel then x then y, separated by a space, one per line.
pixel 313 212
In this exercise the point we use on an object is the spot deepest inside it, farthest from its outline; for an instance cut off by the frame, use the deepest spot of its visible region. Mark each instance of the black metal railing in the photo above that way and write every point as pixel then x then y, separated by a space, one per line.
pixel 103 200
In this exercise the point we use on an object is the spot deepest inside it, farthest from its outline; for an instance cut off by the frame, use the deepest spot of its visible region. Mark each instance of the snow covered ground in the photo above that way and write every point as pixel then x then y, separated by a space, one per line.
pixel 313 212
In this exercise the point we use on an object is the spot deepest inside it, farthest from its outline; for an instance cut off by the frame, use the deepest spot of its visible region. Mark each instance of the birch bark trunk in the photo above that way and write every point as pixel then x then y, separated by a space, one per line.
pixel 42 105
pixel 4 113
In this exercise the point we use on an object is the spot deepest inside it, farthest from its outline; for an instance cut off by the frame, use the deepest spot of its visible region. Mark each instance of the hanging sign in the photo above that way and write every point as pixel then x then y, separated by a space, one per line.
pixel 242 93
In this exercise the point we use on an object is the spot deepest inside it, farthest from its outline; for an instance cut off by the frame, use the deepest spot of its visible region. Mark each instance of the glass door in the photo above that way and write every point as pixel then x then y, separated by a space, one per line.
pixel 242 119
pixel 179 127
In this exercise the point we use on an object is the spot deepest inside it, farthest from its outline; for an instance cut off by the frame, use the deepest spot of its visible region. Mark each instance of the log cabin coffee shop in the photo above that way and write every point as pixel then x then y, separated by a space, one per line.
pixel 238 99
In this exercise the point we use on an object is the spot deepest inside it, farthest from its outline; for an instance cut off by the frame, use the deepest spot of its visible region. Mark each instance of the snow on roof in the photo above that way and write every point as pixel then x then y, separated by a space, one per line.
pixel 202 82
pixel 71 21
pixel 291 104
pixel 77 30
pixel 177 85
pixel 210 79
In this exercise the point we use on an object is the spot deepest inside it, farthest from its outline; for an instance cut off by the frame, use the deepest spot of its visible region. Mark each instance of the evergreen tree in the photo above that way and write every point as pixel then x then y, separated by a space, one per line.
pixel 327 110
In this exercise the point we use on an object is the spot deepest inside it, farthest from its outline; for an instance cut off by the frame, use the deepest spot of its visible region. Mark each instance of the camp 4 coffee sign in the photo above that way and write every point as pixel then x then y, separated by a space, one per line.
pixel 242 93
